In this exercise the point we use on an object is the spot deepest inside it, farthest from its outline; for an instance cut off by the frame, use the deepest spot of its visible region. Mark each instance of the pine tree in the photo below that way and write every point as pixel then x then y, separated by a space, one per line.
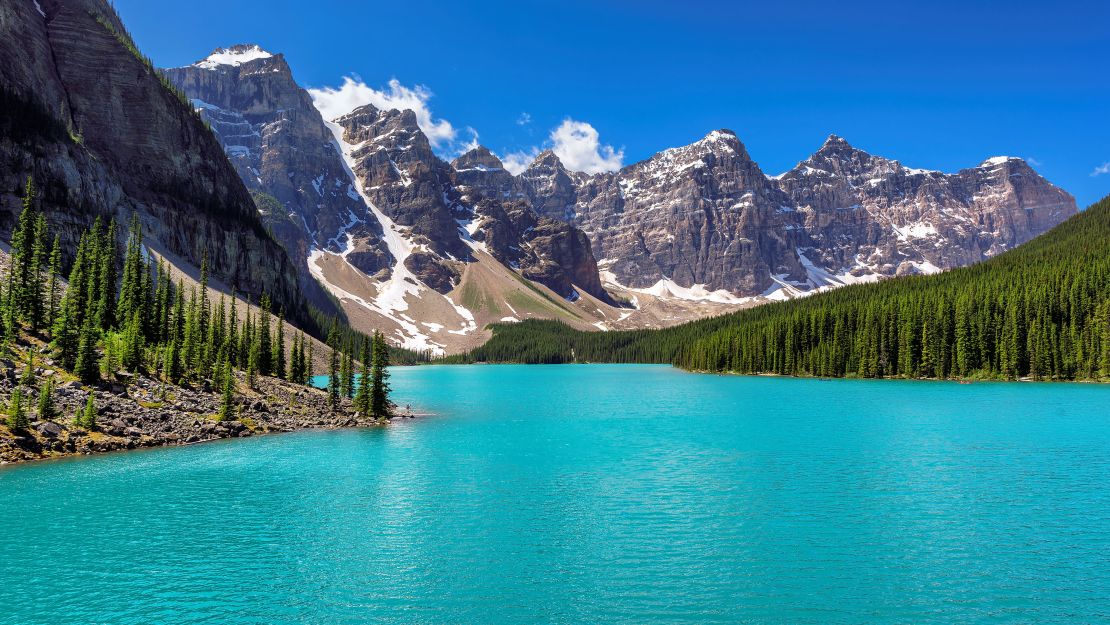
pixel 362 395
pixel 278 356
pixel 17 416
pixel 310 362
pixel 19 296
pixel 132 357
pixel 55 270
pixel 295 373
pixel 47 410
pixel 105 297
pixel 88 418
pixel 334 392
pixel 86 366
pixel 227 404
pixel 265 347
pixel 347 373
pixel 37 301
pixel 380 405
pixel 131 296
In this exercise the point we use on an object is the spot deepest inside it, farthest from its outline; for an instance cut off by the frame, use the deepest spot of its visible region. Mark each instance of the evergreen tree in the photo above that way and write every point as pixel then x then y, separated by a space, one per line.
pixel 347 373
pixel 278 356
pixel 17 416
pixel 362 395
pixel 36 294
pixel 131 295
pixel 86 366
pixel 380 405
pixel 334 392
pixel 87 419
pixel 132 357
pixel 265 348
pixel 47 410
pixel 105 297
pixel 227 404
pixel 55 271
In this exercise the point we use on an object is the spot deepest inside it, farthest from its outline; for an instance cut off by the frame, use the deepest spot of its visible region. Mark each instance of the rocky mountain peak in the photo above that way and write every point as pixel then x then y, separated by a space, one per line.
pixel 479 158
pixel 233 56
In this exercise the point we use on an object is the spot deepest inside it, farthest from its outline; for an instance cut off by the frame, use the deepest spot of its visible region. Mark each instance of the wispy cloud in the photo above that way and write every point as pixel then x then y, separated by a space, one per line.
pixel 577 144
pixel 524 119
pixel 1032 161
pixel 1101 169
pixel 335 102
pixel 517 162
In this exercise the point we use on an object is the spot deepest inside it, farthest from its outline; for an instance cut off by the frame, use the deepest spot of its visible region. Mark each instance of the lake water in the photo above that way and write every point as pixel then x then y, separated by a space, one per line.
pixel 593 494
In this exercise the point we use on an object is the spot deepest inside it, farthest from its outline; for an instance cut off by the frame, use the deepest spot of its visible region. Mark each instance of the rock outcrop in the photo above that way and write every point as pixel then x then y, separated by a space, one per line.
pixel 103 135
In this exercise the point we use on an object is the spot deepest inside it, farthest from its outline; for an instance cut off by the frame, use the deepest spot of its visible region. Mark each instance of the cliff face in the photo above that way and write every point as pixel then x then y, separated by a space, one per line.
pixel 281 147
pixel 705 215
pixel 103 136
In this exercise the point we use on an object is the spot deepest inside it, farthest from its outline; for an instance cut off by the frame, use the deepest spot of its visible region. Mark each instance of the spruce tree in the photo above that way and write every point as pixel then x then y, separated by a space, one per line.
pixel 227 404
pixel 334 392
pixel 346 373
pixel 17 415
pixel 105 297
pixel 265 348
pixel 36 294
pixel 132 357
pixel 86 366
pixel 362 395
pixel 131 286
pixel 47 410
pixel 55 271
pixel 278 356
pixel 88 418
pixel 380 405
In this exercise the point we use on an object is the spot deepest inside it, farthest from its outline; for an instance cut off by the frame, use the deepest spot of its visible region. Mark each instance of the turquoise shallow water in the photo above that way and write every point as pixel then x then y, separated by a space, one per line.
pixel 590 494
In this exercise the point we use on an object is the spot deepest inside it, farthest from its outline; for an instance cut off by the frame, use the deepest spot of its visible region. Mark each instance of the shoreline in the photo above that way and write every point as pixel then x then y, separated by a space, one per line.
pixel 148 413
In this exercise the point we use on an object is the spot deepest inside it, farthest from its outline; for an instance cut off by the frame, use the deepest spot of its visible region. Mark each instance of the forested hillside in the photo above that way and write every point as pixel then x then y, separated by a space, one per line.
pixel 1040 311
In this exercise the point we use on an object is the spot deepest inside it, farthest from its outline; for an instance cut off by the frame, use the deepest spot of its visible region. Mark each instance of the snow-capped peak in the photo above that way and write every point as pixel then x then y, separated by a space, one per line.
pixel 998 160
pixel 233 56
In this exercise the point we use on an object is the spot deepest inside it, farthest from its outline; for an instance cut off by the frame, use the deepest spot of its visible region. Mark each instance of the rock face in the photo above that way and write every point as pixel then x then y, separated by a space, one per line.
pixel 103 136
pixel 705 215
pixel 281 147
pixel 549 251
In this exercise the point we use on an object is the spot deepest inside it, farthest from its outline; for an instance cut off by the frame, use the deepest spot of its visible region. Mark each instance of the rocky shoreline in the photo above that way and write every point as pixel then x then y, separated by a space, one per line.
pixel 141 411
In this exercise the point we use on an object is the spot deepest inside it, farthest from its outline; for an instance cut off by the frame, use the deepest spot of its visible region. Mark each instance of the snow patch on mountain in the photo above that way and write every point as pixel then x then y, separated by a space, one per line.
pixel 233 56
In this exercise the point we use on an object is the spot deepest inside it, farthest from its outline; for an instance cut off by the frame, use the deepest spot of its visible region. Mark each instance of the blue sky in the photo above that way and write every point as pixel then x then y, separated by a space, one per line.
pixel 938 85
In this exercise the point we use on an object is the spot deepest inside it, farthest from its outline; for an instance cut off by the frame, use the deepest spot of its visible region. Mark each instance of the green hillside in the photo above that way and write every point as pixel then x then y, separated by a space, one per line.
pixel 1041 311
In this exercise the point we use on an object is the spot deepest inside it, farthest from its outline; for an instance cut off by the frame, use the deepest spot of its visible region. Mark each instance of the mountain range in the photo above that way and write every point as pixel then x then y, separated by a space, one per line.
pixel 229 158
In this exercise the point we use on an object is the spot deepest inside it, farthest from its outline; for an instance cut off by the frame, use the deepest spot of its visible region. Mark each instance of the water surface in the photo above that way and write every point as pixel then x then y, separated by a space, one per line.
pixel 589 494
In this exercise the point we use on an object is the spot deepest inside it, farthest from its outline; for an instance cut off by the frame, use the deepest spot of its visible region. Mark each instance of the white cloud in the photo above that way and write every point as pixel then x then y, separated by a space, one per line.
pixel 516 162
pixel 1032 161
pixel 1101 169
pixel 578 146
pixel 524 119
pixel 336 102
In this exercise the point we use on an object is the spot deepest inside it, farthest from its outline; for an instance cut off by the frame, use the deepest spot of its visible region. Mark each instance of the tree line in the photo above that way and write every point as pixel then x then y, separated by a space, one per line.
pixel 1040 311
pixel 119 311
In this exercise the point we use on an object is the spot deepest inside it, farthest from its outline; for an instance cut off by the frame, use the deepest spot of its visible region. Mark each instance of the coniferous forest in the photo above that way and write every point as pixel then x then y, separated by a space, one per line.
pixel 120 314
pixel 1040 311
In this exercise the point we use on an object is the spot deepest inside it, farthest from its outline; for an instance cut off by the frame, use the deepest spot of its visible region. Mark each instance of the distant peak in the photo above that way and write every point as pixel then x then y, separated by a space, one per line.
pixel 479 158
pixel 835 141
pixel 234 56
pixel 724 134
pixel 998 160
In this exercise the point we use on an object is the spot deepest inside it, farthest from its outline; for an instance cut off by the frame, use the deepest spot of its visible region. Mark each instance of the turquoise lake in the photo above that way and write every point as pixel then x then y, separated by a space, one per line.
pixel 593 494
